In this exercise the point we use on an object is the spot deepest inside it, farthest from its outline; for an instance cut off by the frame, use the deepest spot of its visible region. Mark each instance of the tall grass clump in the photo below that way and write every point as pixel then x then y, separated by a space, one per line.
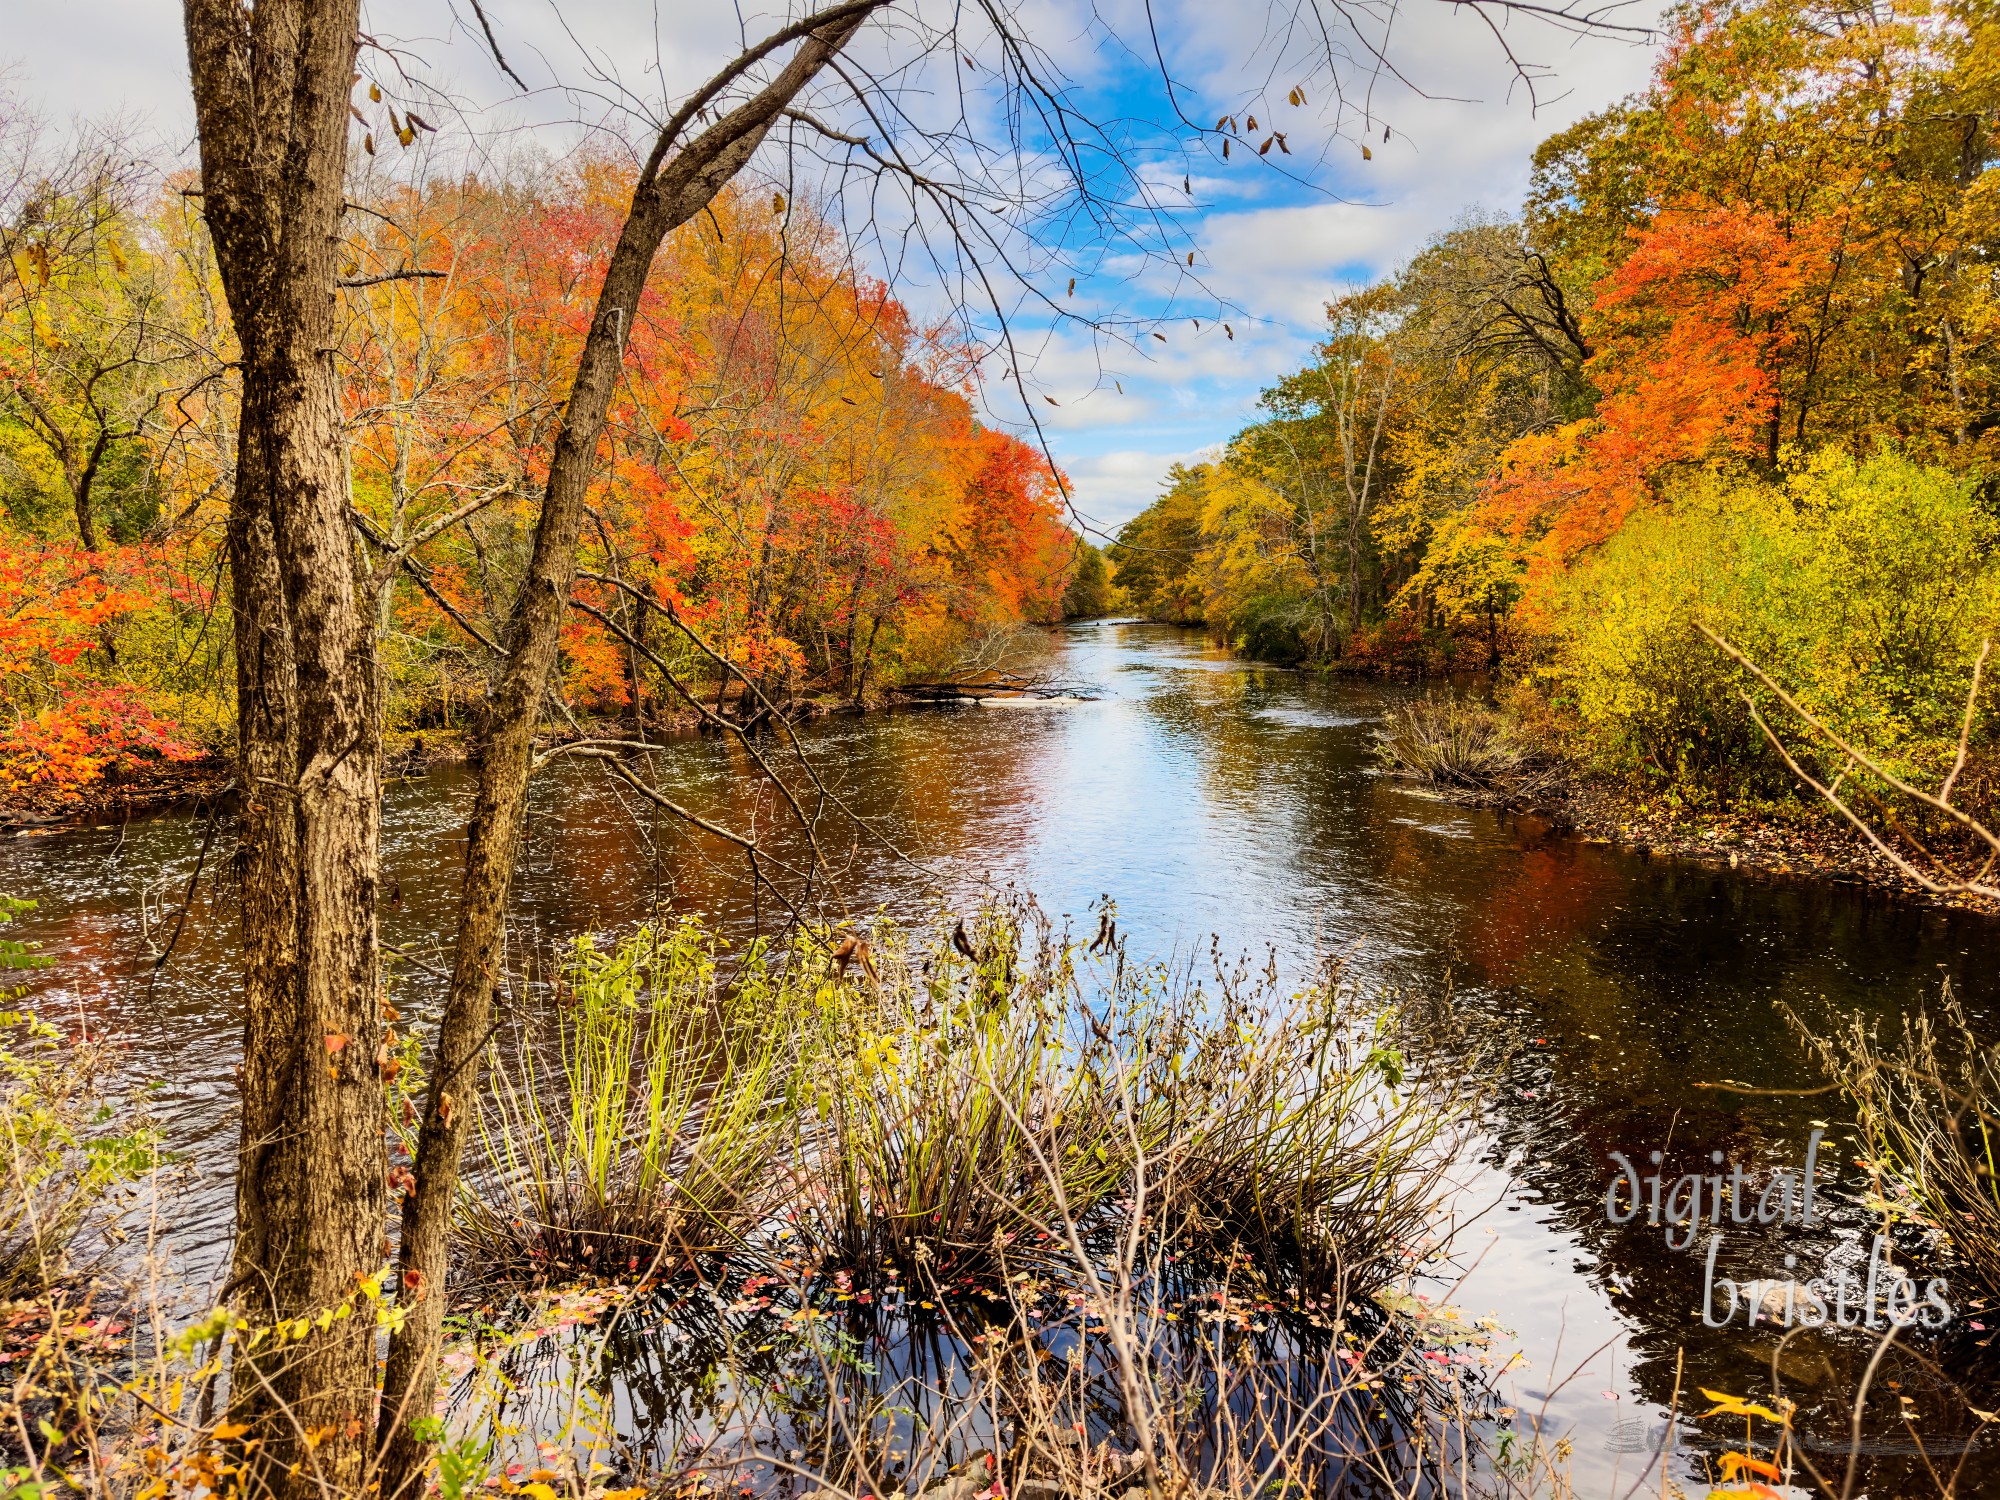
pixel 934 1103
pixel 650 1125
pixel 1301 1140
pixel 1457 743
pixel 966 1094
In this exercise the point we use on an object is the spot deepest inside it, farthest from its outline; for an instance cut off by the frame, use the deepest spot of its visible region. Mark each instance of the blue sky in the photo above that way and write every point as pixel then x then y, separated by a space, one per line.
pixel 1270 248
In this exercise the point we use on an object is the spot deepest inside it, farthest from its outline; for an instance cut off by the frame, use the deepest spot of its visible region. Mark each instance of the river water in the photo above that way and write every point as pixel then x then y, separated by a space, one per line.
pixel 1215 799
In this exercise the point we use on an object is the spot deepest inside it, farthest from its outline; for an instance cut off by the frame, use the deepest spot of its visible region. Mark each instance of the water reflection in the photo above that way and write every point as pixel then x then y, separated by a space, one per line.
pixel 1208 797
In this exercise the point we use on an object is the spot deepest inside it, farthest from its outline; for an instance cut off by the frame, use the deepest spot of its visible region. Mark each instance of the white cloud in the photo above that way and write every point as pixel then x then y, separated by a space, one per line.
pixel 1111 488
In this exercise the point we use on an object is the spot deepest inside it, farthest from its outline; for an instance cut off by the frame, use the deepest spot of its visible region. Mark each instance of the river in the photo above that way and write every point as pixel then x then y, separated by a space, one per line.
pixel 1213 797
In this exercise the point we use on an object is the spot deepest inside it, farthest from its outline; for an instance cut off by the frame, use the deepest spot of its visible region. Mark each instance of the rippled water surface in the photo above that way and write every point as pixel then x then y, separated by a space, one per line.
pixel 1212 798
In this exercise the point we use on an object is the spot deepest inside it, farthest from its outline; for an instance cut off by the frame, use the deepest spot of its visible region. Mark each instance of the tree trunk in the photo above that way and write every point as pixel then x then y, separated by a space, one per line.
pixel 867 659
pixel 271 89
pixel 636 618
pixel 668 194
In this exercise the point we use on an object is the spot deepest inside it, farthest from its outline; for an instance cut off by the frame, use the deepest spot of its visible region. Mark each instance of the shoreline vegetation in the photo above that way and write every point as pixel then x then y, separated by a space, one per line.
pixel 1463 751
pixel 1007 663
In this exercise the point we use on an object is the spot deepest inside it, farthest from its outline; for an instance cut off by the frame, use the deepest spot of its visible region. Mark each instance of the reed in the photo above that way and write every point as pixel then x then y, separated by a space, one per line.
pixel 653 1130
pixel 977 1090
pixel 1302 1141
pixel 963 1097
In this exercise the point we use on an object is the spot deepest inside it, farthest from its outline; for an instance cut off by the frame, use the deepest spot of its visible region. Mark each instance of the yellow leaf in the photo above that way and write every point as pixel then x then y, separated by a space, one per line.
pixel 1737 1406
pixel 1366 154
pixel 539 1490
pixel 375 92
pixel 1733 1464
pixel 228 1432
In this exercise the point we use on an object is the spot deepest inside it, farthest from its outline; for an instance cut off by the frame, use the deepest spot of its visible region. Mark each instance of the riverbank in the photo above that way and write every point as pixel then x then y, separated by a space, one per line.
pixel 1771 840
pixel 166 786
pixel 1799 840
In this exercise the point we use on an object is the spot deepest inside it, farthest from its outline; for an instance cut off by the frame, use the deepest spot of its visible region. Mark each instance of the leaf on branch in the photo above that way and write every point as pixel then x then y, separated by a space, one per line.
pixel 1225 151
pixel 1072 286
pixel 1280 139
pixel 375 92
pixel 1190 257
pixel 777 203
pixel 1296 97
pixel 1230 331
pixel 1161 337
pixel 1366 154
pixel 1385 132
pixel 1265 149
pixel 1052 401
pixel 368 143
pixel 1251 124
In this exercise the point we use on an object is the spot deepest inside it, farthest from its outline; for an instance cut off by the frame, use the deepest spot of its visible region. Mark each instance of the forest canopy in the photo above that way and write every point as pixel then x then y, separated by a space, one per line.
pixel 792 464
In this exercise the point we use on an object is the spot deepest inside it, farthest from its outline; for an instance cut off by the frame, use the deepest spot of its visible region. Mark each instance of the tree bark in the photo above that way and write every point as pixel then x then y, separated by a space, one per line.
pixel 271 86
pixel 670 191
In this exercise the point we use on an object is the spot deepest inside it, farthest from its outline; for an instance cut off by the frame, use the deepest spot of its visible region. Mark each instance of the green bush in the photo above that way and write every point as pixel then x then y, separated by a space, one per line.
pixel 1865 586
